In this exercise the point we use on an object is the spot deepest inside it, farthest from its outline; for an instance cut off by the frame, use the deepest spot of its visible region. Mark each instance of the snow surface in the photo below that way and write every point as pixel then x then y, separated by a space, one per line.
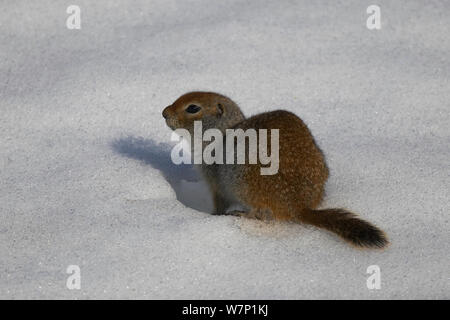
pixel 85 172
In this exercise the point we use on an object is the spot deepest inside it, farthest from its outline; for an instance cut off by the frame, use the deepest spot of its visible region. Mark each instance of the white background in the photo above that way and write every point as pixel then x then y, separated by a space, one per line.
pixel 86 178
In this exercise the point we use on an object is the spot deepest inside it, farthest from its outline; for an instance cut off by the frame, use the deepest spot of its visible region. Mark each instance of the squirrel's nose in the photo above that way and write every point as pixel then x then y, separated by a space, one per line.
pixel 165 112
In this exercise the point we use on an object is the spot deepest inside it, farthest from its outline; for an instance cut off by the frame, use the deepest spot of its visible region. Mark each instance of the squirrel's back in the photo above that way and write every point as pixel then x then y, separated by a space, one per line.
pixel 302 165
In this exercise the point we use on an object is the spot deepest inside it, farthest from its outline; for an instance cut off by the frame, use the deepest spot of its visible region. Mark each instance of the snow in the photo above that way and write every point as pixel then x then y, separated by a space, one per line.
pixel 86 177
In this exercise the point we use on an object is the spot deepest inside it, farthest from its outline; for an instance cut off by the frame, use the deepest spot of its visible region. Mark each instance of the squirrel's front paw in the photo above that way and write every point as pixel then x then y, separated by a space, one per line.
pixel 259 214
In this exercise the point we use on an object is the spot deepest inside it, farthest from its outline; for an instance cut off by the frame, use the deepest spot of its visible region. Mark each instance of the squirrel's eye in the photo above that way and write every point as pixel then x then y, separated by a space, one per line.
pixel 192 108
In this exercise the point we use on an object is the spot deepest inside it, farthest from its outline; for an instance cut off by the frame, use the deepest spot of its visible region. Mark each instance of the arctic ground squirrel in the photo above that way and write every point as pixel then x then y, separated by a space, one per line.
pixel 293 193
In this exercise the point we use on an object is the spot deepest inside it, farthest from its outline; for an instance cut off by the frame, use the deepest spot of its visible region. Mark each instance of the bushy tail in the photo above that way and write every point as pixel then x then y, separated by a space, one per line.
pixel 347 225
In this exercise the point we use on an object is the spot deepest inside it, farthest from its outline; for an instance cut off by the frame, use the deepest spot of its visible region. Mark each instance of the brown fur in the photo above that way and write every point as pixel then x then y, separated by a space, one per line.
pixel 291 194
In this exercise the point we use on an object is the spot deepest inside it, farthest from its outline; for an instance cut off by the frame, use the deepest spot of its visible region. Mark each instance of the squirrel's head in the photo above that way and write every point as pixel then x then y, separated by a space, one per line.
pixel 213 109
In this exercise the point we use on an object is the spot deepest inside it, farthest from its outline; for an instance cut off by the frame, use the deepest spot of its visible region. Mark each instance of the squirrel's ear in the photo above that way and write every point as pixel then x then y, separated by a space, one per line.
pixel 220 108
